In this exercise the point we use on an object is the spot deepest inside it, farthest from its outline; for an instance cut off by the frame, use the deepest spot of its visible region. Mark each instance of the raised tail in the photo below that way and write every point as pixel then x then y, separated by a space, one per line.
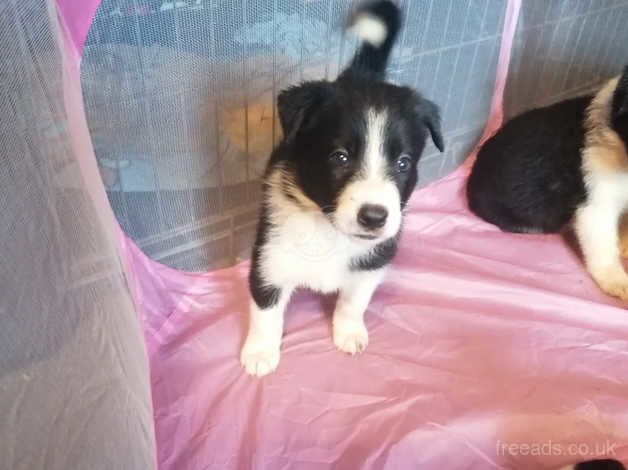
pixel 376 23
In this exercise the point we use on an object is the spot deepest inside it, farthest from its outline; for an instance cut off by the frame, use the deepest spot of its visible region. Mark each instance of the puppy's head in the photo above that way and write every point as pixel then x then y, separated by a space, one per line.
pixel 354 145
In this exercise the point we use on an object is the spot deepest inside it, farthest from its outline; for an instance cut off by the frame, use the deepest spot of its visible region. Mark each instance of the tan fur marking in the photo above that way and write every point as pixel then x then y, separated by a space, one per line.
pixel 282 179
pixel 604 151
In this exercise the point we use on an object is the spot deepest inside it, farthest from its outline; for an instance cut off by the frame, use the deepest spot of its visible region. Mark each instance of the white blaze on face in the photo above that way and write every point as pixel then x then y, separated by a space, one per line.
pixel 371 184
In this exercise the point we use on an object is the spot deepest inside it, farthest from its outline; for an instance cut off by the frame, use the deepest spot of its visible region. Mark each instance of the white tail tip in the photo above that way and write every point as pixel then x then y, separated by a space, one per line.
pixel 370 28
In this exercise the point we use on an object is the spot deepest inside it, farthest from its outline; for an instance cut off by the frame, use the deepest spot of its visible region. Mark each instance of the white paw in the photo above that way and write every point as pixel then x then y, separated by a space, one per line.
pixel 350 336
pixel 612 281
pixel 259 358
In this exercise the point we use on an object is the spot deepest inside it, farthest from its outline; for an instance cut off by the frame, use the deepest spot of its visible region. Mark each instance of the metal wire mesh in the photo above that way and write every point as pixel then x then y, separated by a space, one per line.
pixel 563 48
pixel 180 103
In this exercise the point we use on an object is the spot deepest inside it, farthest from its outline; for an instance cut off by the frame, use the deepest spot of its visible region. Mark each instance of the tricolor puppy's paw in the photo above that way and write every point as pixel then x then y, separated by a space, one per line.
pixel 613 281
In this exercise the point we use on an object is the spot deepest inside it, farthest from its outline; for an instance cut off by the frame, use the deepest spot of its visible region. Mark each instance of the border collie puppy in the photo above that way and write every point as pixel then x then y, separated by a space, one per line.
pixel 334 190
pixel 560 163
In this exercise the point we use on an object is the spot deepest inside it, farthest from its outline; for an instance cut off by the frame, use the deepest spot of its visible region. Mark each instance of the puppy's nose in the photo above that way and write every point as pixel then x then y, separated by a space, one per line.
pixel 372 216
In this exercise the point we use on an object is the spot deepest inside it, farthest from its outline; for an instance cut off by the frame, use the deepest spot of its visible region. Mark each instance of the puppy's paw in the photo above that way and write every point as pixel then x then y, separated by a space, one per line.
pixel 350 336
pixel 613 281
pixel 259 358
pixel 616 289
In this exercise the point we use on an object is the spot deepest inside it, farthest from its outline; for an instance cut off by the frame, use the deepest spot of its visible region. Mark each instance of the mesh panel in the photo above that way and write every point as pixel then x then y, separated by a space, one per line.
pixel 563 48
pixel 180 103
pixel 67 320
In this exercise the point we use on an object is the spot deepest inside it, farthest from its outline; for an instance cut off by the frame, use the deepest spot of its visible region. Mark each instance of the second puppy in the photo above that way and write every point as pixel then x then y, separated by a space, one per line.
pixel 560 163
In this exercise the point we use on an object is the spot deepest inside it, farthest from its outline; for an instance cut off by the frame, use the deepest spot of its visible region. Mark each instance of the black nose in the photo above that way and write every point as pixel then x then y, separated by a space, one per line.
pixel 372 216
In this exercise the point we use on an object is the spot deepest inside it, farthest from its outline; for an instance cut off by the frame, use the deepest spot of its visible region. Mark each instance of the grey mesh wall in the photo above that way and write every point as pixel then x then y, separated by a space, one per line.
pixel 563 48
pixel 180 104
pixel 74 380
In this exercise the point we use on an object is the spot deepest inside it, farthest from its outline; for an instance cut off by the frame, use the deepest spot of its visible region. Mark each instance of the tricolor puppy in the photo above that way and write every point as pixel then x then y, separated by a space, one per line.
pixel 334 191
pixel 565 162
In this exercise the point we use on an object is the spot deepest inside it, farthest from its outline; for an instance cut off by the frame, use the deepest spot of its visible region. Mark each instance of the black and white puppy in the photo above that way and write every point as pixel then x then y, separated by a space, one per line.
pixel 560 163
pixel 334 190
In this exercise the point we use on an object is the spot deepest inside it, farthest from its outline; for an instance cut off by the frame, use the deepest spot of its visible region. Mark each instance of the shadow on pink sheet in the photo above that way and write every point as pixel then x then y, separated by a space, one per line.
pixel 488 350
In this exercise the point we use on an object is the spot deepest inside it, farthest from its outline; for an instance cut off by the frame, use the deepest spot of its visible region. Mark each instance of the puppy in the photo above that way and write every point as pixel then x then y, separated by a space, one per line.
pixel 334 191
pixel 560 163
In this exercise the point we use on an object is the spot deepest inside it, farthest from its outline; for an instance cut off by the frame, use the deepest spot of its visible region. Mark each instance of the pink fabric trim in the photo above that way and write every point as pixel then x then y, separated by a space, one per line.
pixel 496 115
pixel 79 134
pixel 77 15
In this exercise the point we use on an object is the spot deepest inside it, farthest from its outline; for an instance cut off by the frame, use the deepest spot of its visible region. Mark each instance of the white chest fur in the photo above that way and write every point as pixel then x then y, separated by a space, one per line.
pixel 306 250
pixel 608 190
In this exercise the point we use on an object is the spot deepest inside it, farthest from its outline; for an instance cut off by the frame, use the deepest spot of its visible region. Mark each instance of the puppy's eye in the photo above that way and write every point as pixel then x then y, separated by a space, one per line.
pixel 404 162
pixel 340 157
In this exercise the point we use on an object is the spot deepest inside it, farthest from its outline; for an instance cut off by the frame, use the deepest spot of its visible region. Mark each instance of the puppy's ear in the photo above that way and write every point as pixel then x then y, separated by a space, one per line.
pixel 620 97
pixel 429 114
pixel 298 105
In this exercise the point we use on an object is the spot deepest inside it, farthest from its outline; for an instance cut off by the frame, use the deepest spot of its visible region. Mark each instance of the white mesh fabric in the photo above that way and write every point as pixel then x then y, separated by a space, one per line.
pixel 74 381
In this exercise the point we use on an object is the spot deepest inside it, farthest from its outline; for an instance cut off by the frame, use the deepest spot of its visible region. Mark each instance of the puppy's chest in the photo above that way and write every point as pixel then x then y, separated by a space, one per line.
pixel 308 251
pixel 610 189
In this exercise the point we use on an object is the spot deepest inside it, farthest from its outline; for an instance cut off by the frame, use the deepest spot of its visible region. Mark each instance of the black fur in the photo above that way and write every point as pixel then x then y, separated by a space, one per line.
pixel 379 257
pixel 264 295
pixel 602 464
pixel 620 107
pixel 527 176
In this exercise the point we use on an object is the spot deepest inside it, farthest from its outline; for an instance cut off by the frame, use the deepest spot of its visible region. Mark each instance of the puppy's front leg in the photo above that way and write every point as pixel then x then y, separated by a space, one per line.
pixel 260 353
pixel 349 330
pixel 597 228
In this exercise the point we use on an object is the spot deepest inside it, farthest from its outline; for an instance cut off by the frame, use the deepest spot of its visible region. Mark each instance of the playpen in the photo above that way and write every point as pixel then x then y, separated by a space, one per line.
pixel 133 135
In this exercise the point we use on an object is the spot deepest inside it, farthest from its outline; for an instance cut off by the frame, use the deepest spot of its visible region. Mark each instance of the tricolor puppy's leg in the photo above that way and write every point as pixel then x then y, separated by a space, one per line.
pixel 597 228
pixel 260 353
pixel 349 330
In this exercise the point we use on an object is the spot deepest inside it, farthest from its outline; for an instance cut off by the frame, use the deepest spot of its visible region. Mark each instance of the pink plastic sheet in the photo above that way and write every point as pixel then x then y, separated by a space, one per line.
pixel 478 339
pixel 488 350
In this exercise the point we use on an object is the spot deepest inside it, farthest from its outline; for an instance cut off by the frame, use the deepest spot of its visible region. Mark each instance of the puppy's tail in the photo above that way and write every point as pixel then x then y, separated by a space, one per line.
pixel 376 23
